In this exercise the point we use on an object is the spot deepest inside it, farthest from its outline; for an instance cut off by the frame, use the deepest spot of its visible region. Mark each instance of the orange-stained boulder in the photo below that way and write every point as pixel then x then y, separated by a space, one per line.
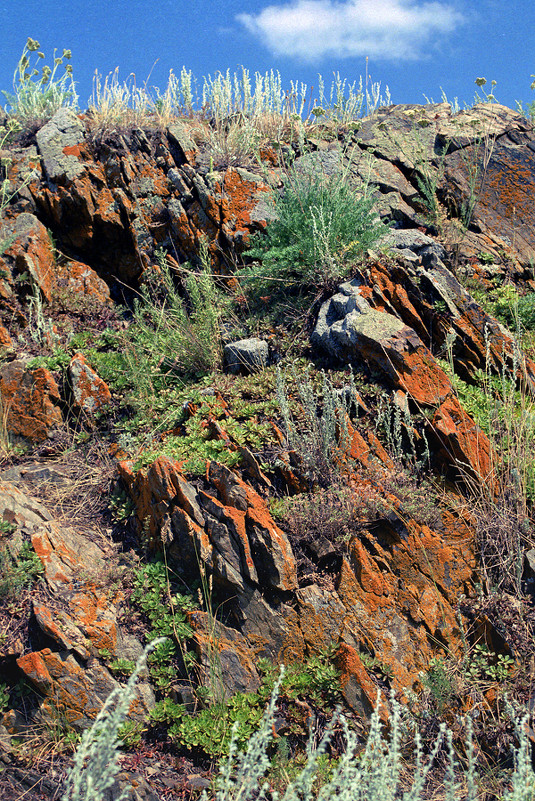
pixel 32 253
pixel 226 662
pixel 462 442
pixel 30 399
pixel 77 278
pixel 5 340
pixel 70 691
pixel 234 536
pixel 90 392
pixel 359 691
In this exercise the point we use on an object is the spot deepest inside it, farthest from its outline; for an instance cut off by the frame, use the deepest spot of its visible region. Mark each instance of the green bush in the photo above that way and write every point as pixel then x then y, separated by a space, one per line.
pixel 322 225
pixel 155 593
pixel 211 729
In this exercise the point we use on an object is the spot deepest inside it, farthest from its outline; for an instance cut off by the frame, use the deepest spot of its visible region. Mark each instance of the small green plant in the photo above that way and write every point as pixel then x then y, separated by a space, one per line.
pixel 6 527
pixel 130 733
pixel 438 680
pixel 122 667
pixel 18 570
pixel 121 505
pixel 4 696
pixel 211 729
pixel 165 610
pixel 483 665
pixel 39 93
pixel 58 360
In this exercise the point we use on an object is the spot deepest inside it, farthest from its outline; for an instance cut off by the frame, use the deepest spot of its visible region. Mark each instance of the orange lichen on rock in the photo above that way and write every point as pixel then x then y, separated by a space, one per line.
pixel 90 392
pixel 466 445
pixel 359 691
pixel 30 398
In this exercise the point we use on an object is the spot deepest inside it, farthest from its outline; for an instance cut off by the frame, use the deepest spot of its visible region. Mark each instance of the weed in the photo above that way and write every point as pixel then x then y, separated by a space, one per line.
pixel 165 611
pixel 317 436
pixel 396 422
pixel 7 132
pixel 39 93
pixel 122 667
pixel 501 507
pixel 96 761
pixel 481 664
pixel 438 681
pixel 18 570
pixel 488 97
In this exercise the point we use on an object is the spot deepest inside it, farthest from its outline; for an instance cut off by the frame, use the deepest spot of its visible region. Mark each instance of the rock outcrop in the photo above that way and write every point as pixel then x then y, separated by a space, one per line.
pixel 89 214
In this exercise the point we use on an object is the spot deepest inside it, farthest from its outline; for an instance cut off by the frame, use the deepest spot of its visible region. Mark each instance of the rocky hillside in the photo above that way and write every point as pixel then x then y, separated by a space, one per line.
pixel 312 451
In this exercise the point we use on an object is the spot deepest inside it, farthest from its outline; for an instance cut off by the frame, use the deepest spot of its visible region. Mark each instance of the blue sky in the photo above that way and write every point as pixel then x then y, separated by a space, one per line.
pixel 416 47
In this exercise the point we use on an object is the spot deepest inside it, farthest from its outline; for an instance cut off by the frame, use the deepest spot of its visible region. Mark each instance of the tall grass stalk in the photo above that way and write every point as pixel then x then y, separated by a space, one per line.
pixel 222 96
pixel 503 406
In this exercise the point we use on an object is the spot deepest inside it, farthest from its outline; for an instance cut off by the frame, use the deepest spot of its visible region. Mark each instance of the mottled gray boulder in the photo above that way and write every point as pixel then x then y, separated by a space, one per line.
pixel 63 131
pixel 412 244
pixel 334 311
pixel 246 355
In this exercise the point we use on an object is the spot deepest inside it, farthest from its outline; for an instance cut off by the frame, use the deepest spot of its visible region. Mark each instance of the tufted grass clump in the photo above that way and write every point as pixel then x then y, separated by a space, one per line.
pixel 175 332
pixel 316 423
pixel 38 92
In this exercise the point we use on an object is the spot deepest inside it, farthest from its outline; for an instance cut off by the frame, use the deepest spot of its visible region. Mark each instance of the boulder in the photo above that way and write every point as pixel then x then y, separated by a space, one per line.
pixel 76 278
pixel 350 329
pixel 32 253
pixel 229 531
pixel 226 663
pixel 30 398
pixel 58 142
pixel 91 394
pixel 246 356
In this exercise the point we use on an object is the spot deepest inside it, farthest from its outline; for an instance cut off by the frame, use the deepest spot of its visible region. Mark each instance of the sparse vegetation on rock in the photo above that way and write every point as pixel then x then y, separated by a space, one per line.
pixel 352 496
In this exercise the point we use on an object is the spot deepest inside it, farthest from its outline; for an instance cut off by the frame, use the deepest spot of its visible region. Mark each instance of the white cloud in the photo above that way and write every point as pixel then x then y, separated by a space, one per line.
pixel 312 29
